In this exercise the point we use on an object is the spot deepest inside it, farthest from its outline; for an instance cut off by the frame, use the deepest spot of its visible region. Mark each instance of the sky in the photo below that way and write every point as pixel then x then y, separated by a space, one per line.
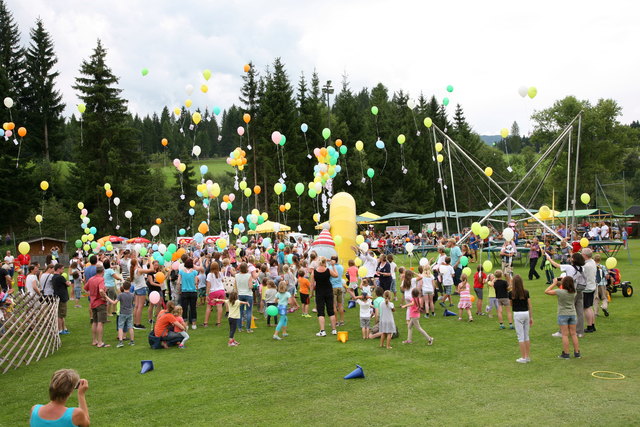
pixel 485 50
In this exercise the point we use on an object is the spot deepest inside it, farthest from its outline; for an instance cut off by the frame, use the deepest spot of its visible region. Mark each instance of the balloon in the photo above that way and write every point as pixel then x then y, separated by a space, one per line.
pixel 158 221
pixel 116 201
pixel 544 212
pixel 154 297
pixel 445 101
pixel 374 110
pixel 440 158
pixel 362 271
pixel 439 146
pixel 359 145
pixel 203 227
pixel 276 137
pixel 44 185
pixel 24 248
pixel 8 102
pixel 299 188
pixel 82 108
pixel 532 92
pixel 611 263
pixel 304 127
pixel 507 233
pixel 216 110
pixel 143 232
pixel 409 247
pixel 380 144
pixel 484 232
pixel 488 171
pixel 176 111
pixel 337 239
pixel 358 262
pixel 188 89
pixel 401 139
pixel 370 172
pixel 93 230
pixel 8 134
pixel 476 227
pixel 411 104
pixel 277 188
pixel 144 72
pixel 466 271
pixel 22 132
pixel 192 211
pixel 523 90
pixel 155 230
pixel 176 162
pixel 272 310
pixel 204 169
pixel 359 239
pixel 182 167
pixel 316 217
pixel 107 186
pixel 326 133
pixel 584 242
pixel 109 193
pixel 428 122
pixel 464 261
pixel 206 74
pixel 449 88
pixel 585 198
pixel 247 192
pixel 257 189
pixel 424 262
pixel 504 132
pixel 188 103
pixel 80 205
pixel 204 88
pixel 196 117
pixel 160 277
pixel 487 265
pixel 246 117
pixel 38 218
pixel 246 69
pixel 283 140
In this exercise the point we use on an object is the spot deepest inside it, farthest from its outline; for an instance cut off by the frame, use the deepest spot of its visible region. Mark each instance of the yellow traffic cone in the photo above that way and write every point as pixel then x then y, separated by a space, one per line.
pixel 253 323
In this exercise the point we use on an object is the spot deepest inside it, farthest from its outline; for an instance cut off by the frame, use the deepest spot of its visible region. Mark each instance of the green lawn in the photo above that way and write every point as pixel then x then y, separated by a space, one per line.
pixel 468 377
pixel 217 167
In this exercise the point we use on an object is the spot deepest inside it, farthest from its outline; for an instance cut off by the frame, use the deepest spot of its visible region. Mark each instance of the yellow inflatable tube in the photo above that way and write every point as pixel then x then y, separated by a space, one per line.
pixel 342 219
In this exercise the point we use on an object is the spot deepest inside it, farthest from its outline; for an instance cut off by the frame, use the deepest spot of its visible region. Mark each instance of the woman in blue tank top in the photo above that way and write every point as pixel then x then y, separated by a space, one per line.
pixel 55 413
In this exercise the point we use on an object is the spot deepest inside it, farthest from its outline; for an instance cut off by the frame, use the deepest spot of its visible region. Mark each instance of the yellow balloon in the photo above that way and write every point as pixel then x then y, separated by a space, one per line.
pixel 359 239
pixel 611 263
pixel 221 243
pixel 440 158
pixel 182 167
pixel 204 88
pixel 316 217
pixel 358 262
pixel 488 171
pixel 176 111
pixel 585 198
pixel 584 242
pixel 24 248
pixel 247 192
pixel 243 185
pixel 38 219
pixel 362 271
pixel 439 146
pixel 215 189
pixel 188 103
pixel 359 145
pixel 428 122
pixel 80 205
pixel 44 185
pixel 544 212
pixel 504 132
pixel 287 206
pixel 255 212
pixel 107 187
pixel 196 117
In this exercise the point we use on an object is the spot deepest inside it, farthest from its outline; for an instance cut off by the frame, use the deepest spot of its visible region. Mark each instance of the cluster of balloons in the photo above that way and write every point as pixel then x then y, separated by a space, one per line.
pixel 179 165
pixel 7 130
pixel 327 167
pixel 256 218
pixel 208 190
pixel 107 190
pixel 237 158
pixel 479 230
pixel 226 201
pixel 165 255
pixel 278 138
pixel 530 91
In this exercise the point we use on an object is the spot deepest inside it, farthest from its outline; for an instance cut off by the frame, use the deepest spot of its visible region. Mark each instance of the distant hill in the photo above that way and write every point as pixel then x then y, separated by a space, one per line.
pixel 490 139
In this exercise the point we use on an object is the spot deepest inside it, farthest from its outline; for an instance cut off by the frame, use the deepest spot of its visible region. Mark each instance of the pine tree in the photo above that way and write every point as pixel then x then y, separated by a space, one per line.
pixel 42 102
pixel 111 153
pixel 250 96
pixel 11 64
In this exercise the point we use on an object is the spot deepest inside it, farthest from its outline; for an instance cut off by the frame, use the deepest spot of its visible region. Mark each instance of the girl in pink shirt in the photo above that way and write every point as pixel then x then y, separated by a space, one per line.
pixel 415 307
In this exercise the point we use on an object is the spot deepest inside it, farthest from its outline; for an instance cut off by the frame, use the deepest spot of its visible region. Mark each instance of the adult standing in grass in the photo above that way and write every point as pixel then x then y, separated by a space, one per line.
pixel 338 289
pixel 534 254
pixel 590 272
pixel 98 306
pixel 55 413
pixel 189 296
pixel 455 254
pixel 138 280
pixel 567 316
pixel 522 316
pixel 244 282
pixel 321 283
pixel 383 271
pixel 60 289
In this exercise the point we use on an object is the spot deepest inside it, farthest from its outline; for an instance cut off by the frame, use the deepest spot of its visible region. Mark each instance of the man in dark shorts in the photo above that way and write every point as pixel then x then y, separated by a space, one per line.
pixel 60 289
pixel 97 294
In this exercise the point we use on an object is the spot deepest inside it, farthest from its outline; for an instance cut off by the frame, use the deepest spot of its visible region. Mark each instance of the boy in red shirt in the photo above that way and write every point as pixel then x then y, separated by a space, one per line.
pixel 22 279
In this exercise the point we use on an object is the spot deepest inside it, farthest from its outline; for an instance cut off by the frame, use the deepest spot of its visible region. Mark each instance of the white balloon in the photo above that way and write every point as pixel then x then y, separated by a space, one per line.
pixel 196 150
pixel 223 206
pixel 128 214
pixel 411 104
pixel 523 90
pixel 409 247
pixel 8 102
pixel 507 233
pixel 162 248
pixel 276 227
pixel 189 89
pixel 424 262
pixel 137 247
pixel 155 230
pixel 116 201
pixel 364 247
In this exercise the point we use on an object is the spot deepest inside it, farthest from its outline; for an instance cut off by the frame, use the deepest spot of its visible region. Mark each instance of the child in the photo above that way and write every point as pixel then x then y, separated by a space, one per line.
pixel 387 325
pixel 365 286
pixel 493 301
pixel 501 287
pixel 601 290
pixel 270 298
pixel 548 267
pixel 394 271
pixel 304 285
pixel 282 298
pixel 478 287
pixel 77 283
pixel 125 318
pixel 262 276
pixel 185 336
pixel 22 279
pixel 427 291
pixel 290 278
pixel 365 304
pixel 202 289
pixel 465 298
pixel 233 306
pixel 408 283
pixel 352 275
pixel 447 272
pixel 567 316
pixel 415 306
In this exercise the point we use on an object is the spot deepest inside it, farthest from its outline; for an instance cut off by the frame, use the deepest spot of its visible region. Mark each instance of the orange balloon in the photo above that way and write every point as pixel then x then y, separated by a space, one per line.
pixel 165 142
pixel 158 221
pixel 247 67
pixel 257 189
pixel 180 252
pixel 109 193
pixel 11 125
pixel 225 198
pixel 338 142
pixel 22 132
pixel 203 228
pixel 175 256
pixel 160 277
pixel 282 208
pixel 241 220
pixel 323 151
pixel 246 117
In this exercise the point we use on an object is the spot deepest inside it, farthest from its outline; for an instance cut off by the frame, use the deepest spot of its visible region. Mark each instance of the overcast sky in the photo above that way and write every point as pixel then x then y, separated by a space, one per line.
pixel 486 50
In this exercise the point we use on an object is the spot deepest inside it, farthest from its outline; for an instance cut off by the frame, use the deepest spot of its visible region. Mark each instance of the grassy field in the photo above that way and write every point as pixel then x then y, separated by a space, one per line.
pixel 217 167
pixel 468 377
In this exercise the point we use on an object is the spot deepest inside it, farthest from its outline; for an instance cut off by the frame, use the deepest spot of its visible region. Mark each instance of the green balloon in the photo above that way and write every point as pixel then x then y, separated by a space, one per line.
pixel 94 245
pixel 143 251
pixel 326 133
pixel 449 88
pixel 283 140
pixel 260 219
pixel 252 225
pixel 299 188
pixel 333 161
pixel 343 150
pixel 145 71
pixel 445 101
pixel 172 248
pixel 374 110
pixel 229 206
pixel 312 193
pixel 78 243
pixel 370 172
pixel 167 256
pixel 244 239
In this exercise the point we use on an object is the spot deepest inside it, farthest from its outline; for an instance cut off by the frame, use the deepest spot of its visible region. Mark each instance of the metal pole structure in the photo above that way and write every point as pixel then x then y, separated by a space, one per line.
pixel 453 188
pixel 495 208
pixel 441 182
pixel 575 179
pixel 566 211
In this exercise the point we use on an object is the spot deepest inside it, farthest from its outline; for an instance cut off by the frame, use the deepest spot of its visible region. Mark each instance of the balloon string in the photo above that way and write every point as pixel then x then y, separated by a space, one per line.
pixel 81 137
pixel 299 203
pixel 371 182
pixel 306 143
pixel 415 123
pixel 41 238
pixel 385 159
pixel 219 216
pixel 248 140
pixel 361 166
pixel 19 147
pixel 377 130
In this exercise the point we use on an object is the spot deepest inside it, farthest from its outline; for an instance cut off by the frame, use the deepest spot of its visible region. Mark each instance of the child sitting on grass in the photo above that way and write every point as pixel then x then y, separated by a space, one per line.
pixel 178 314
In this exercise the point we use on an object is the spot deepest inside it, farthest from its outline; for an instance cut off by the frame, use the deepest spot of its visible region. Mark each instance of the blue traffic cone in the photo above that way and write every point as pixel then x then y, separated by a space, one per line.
pixel 146 366
pixel 448 313
pixel 351 304
pixel 356 373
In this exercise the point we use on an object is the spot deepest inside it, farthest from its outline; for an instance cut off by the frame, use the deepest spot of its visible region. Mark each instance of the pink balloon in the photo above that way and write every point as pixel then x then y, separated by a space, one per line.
pixel 175 266
pixel 276 137
pixel 154 297
pixel 84 212
pixel 228 160
pixel 176 162
pixel 316 152
pixel 232 197
pixel 240 130
pixel 8 133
